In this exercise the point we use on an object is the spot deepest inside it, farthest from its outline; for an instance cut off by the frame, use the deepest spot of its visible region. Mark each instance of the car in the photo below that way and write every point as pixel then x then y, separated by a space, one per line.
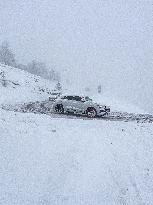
pixel 79 105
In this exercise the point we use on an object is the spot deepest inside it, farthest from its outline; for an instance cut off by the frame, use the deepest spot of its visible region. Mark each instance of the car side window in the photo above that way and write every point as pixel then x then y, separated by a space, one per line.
pixel 69 98
pixel 77 98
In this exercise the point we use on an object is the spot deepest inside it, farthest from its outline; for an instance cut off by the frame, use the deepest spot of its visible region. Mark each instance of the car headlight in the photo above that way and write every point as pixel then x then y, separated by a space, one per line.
pixel 102 107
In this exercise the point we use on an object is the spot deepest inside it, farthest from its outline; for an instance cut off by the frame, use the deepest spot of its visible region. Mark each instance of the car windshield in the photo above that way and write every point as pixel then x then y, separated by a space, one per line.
pixel 88 99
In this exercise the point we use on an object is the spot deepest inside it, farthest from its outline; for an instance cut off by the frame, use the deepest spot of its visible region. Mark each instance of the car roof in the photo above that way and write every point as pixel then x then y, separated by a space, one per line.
pixel 72 95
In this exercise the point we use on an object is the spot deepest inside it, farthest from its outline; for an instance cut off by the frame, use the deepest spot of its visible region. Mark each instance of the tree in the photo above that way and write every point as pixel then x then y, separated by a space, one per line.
pixel 3 80
pixel 37 68
pixel 40 68
pixel 22 67
pixel 7 57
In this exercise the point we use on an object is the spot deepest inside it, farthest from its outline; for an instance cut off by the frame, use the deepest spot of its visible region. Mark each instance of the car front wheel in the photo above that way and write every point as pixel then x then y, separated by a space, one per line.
pixel 59 109
pixel 91 112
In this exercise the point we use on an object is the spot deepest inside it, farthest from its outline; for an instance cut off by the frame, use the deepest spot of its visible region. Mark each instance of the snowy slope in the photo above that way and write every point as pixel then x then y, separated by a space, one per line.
pixel 22 86
pixel 49 161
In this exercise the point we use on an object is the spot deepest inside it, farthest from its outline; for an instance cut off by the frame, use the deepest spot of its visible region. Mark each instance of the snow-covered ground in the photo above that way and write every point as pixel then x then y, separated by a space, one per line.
pixel 22 86
pixel 49 161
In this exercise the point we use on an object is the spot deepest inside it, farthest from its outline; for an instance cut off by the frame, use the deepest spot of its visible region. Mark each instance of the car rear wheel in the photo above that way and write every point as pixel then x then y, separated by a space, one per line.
pixel 91 112
pixel 59 108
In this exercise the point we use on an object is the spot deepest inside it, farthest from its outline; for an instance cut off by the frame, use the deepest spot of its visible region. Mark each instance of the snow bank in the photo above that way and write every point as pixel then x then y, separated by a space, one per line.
pixel 22 86
pixel 64 162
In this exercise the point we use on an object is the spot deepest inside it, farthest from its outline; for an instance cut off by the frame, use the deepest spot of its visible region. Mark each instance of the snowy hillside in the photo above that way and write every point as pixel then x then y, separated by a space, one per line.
pixel 45 160
pixel 21 86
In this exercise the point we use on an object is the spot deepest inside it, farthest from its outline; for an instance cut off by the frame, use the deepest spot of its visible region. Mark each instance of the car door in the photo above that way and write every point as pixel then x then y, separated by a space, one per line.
pixel 68 103
pixel 78 104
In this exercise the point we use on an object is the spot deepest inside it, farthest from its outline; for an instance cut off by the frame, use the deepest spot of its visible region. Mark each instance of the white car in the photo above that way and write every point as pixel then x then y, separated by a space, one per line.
pixel 79 105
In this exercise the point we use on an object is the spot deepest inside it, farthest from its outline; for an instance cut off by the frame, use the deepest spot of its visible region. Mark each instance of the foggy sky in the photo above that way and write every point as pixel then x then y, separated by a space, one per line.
pixel 90 41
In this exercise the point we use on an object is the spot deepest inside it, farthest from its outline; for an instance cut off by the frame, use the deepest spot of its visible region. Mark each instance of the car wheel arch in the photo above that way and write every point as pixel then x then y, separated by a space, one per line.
pixel 59 106
pixel 91 108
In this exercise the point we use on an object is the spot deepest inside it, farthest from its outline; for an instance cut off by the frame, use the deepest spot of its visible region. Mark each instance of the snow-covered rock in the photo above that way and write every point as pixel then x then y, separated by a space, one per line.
pixel 22 86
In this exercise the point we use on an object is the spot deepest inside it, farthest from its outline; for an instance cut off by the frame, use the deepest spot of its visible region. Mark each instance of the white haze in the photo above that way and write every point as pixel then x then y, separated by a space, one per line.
pixel 90 42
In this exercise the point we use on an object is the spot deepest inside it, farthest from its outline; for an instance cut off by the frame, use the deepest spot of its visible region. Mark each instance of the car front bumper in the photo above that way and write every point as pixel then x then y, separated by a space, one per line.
pixel 104 112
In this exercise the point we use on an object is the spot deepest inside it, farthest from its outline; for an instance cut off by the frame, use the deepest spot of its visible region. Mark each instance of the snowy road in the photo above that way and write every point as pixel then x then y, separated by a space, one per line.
pixel 42 108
